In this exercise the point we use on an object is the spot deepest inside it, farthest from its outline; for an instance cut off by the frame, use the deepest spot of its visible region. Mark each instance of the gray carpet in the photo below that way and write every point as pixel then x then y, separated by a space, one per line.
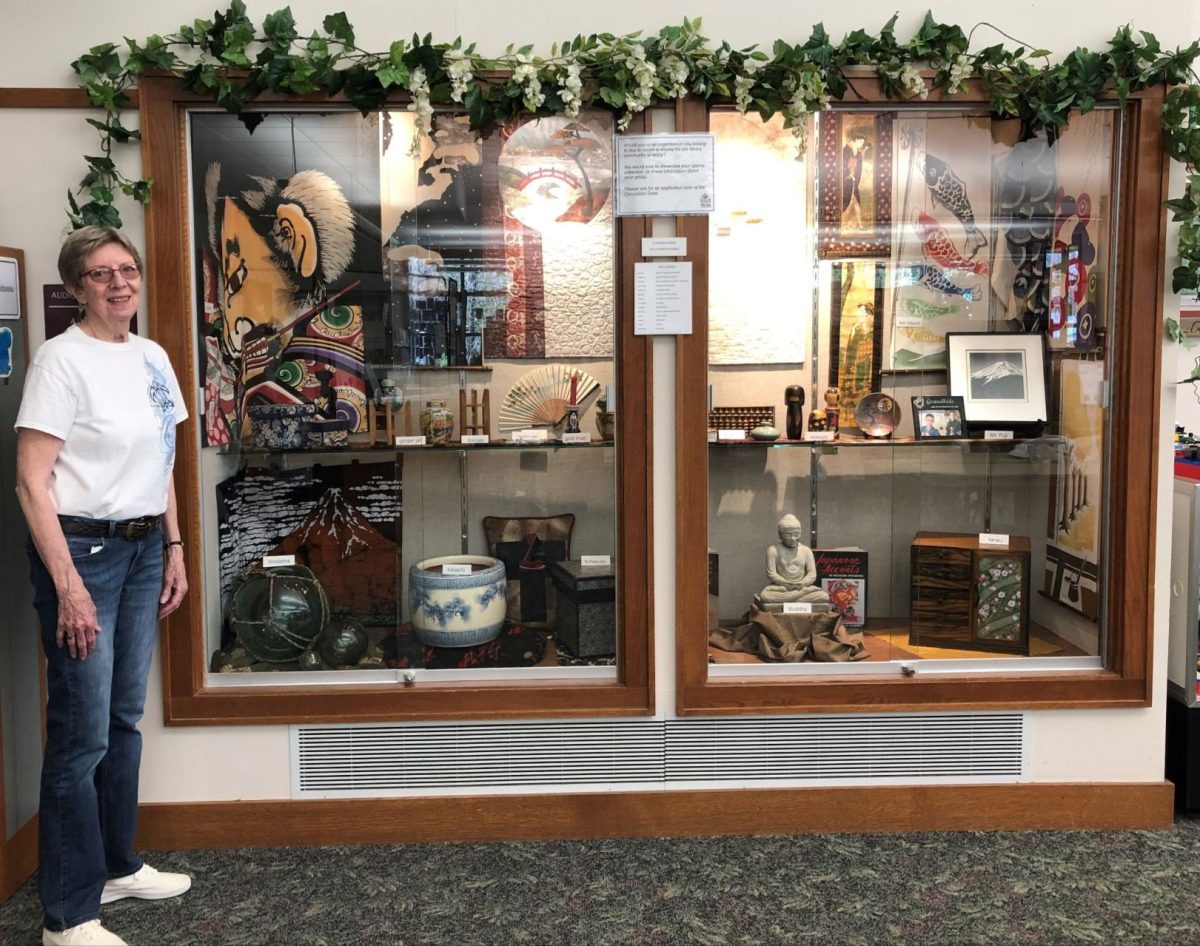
pixel 1131 887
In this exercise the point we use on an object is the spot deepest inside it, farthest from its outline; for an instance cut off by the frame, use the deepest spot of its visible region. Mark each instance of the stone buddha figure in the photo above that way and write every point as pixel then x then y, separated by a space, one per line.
pixel 791 571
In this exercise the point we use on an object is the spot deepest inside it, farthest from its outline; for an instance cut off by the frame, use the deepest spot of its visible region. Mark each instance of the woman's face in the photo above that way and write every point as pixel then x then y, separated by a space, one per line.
pixel 115 300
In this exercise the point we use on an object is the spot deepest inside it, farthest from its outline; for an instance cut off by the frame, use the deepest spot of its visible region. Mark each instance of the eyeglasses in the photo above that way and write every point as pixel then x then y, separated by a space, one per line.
pixel 103 275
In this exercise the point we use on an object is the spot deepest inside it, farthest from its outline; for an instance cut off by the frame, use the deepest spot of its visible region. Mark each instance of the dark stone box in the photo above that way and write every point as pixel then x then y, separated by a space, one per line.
pixel 587 611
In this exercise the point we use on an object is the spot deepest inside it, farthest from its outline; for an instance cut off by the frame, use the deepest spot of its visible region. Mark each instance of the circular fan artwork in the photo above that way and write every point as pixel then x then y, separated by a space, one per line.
pixel 542 396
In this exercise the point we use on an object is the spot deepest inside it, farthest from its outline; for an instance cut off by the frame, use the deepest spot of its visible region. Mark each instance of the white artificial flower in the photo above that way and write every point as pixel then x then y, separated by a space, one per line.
pixel 912 83
pixel 418 88
pixel 458 68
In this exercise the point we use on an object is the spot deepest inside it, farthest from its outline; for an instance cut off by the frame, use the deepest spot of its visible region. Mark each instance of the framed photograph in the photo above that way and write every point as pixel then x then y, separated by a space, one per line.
pixel 937 416
pixel 1001 377
pixel 855 184
pixel 11 262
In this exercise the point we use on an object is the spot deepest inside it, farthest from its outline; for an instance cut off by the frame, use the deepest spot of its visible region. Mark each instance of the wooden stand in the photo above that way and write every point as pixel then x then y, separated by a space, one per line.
pixel 385 424
pixel 474 415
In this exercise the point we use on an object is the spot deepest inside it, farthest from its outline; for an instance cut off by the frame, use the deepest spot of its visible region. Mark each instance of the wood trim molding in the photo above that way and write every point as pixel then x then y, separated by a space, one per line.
pixel 16 97
pixel 18 859
pixel 187 698
pixel 1136 339
pixel 1018 807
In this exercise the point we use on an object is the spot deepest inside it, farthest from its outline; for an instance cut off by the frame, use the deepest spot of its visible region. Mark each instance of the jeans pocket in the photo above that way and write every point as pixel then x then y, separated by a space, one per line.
pixel 83 547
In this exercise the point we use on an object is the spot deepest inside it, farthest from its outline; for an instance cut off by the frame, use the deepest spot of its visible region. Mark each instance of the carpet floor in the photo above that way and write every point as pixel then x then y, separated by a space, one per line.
pixel 1002 888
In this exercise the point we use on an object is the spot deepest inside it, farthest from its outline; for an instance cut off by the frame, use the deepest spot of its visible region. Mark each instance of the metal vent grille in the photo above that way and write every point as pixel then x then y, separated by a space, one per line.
pixel 846 747
pixel 375 758
pixel 389 759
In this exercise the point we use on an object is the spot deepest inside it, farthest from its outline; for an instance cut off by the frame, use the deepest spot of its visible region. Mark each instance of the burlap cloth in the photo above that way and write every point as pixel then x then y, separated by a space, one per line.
pixel 793 638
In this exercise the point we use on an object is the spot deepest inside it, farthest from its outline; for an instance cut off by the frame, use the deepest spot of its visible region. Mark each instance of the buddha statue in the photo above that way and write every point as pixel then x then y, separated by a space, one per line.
pixel 791 571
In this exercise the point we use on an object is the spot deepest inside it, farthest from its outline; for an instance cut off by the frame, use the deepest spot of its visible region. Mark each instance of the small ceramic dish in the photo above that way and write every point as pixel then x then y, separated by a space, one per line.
pixel 765 432
pixel 877 415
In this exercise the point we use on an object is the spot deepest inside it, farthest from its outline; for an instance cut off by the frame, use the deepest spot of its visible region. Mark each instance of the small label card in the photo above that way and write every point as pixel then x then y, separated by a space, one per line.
pixel 664 246
pixel 822 436
pixel 275 561
pixel 797 607
pixel 731 435
pixel 475 438
pixel 456 568
pixel 997 539
pixel 581 437
pixel 418 441
pixel 530 435
pixel 595 561
pixel 997 435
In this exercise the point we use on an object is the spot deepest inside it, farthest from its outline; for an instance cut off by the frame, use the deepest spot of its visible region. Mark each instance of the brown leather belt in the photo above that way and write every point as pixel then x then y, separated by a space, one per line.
pixel 131 529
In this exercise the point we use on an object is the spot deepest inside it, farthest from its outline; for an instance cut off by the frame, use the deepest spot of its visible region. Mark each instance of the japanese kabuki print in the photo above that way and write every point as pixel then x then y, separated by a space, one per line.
pixel 282 268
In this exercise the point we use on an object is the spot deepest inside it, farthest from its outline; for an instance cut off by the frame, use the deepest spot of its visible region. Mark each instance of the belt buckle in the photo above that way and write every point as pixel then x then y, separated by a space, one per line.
pixel 136 529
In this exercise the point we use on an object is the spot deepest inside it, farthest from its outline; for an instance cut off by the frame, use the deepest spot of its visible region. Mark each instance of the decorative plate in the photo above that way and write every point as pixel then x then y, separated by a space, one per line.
pixel 877 415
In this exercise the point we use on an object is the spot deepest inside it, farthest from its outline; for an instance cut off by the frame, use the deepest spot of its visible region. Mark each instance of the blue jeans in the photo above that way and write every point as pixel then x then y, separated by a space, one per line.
pixel 89 794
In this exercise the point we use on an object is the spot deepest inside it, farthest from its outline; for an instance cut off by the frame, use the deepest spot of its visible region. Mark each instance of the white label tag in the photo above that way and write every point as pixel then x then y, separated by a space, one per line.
pixel 530 436
pixel 582 437
pixel 475 438
pixel 997 435
pixel 821 436
pixel 664 246
pixel 460 568
pixel 731 435
pixel 797 607
pixel 411 441
pixel 999 539
pixel 274 561
pixel 595 561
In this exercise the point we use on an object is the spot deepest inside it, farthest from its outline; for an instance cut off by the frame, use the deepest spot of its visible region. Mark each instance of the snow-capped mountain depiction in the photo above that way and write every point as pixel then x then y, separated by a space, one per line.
pixel 995 371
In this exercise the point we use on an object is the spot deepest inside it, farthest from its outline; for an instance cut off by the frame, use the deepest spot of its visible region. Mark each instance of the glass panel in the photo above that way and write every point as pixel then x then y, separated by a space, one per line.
pixel 408 451
pixel 927 480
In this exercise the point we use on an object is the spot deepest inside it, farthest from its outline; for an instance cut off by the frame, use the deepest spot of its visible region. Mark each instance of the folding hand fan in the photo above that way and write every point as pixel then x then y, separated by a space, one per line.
pixel 542 396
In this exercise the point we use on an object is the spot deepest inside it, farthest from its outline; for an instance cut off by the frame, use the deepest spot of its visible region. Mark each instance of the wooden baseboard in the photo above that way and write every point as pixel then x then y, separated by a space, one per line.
pixel 1053 806
pixel 19 859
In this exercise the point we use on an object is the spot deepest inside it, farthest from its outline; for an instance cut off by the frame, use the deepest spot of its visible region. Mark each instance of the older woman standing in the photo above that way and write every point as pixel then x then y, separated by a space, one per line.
pixel 95 452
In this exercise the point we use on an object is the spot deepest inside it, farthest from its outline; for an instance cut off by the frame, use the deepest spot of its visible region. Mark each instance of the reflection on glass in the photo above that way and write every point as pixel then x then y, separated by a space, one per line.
pixel 950 545
pixel 353 298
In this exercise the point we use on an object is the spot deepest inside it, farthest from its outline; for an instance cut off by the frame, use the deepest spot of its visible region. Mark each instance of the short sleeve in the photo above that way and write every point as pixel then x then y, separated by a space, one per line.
pixel 48 403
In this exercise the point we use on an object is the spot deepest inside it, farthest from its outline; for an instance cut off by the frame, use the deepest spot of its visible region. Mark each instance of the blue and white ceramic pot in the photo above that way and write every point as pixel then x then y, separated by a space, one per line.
pixel 455 610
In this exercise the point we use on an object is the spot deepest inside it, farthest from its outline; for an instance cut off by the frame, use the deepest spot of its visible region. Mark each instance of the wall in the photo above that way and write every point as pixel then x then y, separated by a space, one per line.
pixel 42 159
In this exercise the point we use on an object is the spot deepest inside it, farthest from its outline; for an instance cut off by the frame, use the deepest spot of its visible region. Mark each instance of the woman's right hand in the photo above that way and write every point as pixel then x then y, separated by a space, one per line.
pixel 77 624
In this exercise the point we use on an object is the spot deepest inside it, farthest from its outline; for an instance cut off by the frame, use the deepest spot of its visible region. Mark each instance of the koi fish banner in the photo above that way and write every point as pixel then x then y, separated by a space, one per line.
pixel 941 257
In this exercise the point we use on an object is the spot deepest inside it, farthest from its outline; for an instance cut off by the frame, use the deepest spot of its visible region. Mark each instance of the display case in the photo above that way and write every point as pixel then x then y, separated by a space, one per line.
pixel 924 400
pixel 417 393
pixel 1183 649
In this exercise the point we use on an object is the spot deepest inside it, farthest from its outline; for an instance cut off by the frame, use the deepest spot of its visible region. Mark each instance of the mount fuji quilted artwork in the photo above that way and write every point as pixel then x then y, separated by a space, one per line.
pixel 343 522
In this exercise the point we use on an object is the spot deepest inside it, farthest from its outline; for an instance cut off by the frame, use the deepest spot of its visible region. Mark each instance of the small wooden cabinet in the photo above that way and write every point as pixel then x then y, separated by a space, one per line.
pixel 968 595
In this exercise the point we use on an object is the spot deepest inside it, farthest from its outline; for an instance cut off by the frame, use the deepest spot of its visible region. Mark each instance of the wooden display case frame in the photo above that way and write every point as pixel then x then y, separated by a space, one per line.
pixel 1125 679
pixel 163 106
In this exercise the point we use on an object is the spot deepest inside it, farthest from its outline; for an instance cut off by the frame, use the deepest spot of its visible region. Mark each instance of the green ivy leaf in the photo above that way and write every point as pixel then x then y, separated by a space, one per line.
pixel 337 26
pixel 279 29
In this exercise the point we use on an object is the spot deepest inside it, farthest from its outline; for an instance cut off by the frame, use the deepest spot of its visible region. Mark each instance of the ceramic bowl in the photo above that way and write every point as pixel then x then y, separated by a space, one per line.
pixel 765 432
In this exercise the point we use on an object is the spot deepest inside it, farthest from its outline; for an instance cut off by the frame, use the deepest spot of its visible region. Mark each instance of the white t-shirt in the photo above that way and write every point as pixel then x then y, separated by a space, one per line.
pixel 115 407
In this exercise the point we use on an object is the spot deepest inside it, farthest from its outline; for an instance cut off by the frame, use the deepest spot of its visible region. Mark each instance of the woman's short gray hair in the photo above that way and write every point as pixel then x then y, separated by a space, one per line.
pixel 82 243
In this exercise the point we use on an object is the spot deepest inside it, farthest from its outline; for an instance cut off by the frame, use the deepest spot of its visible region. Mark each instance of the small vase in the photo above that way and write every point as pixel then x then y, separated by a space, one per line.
pixel 606 424
pixel 437 422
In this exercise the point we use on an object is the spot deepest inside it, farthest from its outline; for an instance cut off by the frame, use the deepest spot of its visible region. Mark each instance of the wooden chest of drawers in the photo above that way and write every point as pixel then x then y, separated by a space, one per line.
pixel 970 596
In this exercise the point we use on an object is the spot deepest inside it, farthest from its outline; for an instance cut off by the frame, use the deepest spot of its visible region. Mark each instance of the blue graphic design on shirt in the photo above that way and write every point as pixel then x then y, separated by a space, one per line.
pixel 6 344
pixel 159 393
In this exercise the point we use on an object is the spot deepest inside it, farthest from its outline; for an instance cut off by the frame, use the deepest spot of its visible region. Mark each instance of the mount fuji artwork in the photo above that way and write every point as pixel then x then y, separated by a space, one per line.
pixel 342 521
pixel 997 375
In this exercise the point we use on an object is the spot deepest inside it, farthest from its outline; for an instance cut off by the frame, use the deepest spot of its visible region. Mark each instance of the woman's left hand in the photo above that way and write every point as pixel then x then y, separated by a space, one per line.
pixel 175 584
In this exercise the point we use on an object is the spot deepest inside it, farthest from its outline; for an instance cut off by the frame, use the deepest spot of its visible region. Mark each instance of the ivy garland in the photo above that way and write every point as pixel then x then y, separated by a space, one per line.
pixel 231 60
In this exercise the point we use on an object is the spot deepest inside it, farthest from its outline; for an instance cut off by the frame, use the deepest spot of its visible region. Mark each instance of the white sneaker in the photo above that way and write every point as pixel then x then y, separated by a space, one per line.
pixel 146 884
pixel 84 933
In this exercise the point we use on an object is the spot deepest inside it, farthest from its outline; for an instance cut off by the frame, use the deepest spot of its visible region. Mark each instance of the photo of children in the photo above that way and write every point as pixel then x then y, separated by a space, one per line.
pixel 939 416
